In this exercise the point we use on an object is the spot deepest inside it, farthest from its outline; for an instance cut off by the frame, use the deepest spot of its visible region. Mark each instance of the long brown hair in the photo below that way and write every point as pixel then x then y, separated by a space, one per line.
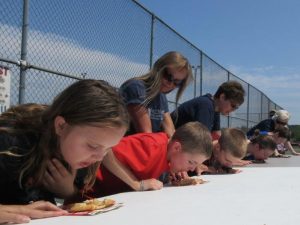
pixel 153 78
pixel 86 102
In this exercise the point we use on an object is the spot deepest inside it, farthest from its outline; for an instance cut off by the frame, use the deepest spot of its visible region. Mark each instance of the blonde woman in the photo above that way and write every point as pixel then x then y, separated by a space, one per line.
pixel 145 96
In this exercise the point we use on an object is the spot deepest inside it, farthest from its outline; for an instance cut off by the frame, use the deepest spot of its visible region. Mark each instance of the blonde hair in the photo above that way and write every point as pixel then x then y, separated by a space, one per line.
pixel 194 137
pixel 153 78
pixel 233 141
pixel 85 102
pixel 281 115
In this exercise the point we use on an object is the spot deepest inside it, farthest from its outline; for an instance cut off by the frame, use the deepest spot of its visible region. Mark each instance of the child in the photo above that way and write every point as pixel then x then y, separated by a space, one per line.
pixel 74 132
pixel 259 148
pixel 279 120
pixel 231 146
pixel 206 109
pixel 263 145
pixel 139 160
pixel 281 136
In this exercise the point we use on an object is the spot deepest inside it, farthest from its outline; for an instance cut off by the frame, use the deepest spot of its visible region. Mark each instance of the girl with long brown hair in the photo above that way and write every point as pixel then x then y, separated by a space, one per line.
pixel 75 131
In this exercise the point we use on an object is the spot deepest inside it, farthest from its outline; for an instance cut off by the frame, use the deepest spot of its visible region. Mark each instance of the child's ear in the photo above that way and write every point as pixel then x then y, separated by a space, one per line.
pixel 217 146
pixel 256 146
pixel 176 146
pixel 222 97
pixel 59 125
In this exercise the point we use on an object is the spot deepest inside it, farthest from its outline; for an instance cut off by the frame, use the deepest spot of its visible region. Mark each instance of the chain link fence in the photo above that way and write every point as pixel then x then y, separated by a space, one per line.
pixel 47 45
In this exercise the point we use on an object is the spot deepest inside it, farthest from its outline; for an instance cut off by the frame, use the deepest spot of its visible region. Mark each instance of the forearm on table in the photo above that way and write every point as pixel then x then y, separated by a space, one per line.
pixel 289 146
pixel 121 171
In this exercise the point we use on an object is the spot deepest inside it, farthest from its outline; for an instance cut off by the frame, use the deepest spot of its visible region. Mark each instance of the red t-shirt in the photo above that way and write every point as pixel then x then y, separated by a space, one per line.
pixel 145 154
pixel 215 136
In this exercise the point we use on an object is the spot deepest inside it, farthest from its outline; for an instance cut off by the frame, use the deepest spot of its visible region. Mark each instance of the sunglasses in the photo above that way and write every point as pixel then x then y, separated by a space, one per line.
pixel 281 123
pixel 169 77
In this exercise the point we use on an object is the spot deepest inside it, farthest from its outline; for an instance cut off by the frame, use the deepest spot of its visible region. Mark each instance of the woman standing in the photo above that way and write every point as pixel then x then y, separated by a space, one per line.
pixel 145 96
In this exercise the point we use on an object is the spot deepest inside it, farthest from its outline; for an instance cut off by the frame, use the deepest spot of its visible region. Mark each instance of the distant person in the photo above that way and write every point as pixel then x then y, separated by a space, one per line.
pixel 280 119
pixel 260 147
pixel 272 113
pixel 207 108
pixel 145 96
pixel 136 163
pixel 281 135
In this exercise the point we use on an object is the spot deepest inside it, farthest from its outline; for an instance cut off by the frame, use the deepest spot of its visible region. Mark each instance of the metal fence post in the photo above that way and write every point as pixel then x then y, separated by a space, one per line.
pixel 248 98
pixel 23 64
pixel 201 71
pixel 261 106
pixel 228 117
pixel 151 40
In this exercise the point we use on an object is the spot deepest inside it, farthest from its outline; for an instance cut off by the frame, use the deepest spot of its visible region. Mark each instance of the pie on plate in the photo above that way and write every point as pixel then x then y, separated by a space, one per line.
pixel 89 205
pixel 188 181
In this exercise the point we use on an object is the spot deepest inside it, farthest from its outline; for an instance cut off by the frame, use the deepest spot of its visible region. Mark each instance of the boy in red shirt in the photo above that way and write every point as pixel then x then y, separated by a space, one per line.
pixel 136 163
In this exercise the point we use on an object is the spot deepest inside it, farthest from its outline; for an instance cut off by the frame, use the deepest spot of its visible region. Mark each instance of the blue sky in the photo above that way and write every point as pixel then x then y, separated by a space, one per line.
pixel 257 40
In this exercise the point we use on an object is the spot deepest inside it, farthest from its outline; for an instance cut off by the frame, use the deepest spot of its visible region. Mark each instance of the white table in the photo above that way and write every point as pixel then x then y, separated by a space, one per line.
pixel 266 194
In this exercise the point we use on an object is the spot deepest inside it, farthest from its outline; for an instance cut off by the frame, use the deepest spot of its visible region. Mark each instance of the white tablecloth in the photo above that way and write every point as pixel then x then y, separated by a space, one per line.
pixel 266 194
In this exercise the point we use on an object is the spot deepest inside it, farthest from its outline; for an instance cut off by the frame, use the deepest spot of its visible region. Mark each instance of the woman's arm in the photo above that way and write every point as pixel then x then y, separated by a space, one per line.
pixel 122 172
pixel 168 125
pixel 140 118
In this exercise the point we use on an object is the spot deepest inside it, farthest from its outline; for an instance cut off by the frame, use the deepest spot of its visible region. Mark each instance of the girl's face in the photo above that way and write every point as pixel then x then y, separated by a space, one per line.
pixel 172 78
pixel 82 146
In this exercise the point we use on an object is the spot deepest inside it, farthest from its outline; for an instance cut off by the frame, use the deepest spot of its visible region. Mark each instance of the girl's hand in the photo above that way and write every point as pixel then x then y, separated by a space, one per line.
pixel 23 213
pixel 59 180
